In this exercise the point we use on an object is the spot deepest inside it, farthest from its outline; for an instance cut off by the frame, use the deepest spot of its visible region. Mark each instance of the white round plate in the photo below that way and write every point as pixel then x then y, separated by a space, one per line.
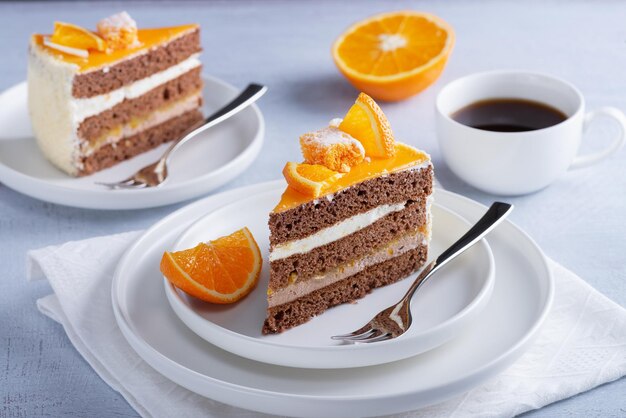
pixel 214 158
pixel 442 309
pixel 521 299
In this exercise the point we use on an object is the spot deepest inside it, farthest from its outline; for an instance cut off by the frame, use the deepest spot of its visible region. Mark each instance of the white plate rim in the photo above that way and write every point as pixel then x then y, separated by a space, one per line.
pixel 173 370
pixel 342 353
pixel 69 196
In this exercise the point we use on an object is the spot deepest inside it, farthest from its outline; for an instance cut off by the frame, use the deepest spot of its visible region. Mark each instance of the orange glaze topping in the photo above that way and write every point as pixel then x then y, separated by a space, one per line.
pixel 148 38
pixel 405 157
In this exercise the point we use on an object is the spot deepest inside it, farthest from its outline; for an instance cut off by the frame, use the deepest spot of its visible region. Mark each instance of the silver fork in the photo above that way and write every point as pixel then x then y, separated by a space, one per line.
pixel 396 319
pixel 156 173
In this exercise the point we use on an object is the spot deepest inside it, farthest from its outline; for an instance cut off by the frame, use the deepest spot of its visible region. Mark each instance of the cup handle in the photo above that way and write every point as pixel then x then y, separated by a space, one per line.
pixel 590 159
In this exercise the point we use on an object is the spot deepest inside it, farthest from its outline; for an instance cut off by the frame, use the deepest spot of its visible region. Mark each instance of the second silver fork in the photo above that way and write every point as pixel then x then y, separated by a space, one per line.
pixel 156 173
pixel 396 319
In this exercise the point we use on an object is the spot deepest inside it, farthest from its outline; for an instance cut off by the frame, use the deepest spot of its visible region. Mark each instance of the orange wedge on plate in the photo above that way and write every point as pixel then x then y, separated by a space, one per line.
pixel 77 37
pixel 392 56
pixel 366 122
pixel 220 271
pixel 309 179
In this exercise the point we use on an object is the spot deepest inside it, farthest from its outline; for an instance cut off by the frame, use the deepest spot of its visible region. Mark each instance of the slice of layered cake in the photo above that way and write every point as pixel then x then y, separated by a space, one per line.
pixel 355 216
pixel 98 98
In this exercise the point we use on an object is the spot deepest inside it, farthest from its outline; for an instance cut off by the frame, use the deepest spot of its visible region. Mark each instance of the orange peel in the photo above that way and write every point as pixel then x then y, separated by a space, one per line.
pixel 332 148
pixel 119 31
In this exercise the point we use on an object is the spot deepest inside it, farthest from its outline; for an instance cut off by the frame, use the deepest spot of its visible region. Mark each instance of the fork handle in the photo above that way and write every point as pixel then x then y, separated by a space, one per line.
pixel 494 215
pixel 243 100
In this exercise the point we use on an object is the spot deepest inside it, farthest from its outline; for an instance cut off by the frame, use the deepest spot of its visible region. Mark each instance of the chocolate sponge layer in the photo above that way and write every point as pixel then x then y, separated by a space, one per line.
pixel 327 257
pixel 111 154
pixel 312 216
pixel 94 127
pixel 101 81
pixel 288 315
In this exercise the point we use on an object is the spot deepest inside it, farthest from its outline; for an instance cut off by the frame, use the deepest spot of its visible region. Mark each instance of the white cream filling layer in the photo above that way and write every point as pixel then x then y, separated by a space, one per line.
pixel 298 289
pixel 84 108
pixel 333 233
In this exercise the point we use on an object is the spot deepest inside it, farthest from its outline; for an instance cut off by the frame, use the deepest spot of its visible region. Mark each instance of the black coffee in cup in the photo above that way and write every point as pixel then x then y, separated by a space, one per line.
pixel 508 115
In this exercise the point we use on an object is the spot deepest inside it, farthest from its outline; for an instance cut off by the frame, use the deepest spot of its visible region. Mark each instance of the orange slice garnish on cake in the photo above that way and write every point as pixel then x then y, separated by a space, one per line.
pixel 366 122
pixel 309 179
pixel 220 271
pixel 392 56
pixel 74 36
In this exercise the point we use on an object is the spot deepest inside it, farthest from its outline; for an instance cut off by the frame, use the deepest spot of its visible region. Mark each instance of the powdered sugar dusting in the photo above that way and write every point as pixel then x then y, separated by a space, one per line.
pixel 335 122
pixel 329 136
pixel 118 21
pixel 119 31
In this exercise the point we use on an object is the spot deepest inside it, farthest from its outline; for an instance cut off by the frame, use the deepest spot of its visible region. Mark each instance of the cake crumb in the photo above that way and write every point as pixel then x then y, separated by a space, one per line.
pixel 119 31
pixel 293 277
pixel 332 148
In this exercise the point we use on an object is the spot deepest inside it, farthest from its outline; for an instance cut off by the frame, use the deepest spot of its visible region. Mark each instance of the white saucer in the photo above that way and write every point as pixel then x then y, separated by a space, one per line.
pixel 444 307
pixel 521 299
pixel 216 157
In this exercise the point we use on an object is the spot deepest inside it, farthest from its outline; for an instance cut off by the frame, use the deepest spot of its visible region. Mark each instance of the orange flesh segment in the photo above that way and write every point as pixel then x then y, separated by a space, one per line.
pixel 366 122
pixel 309 179
pixel 221 271
pixel 405 157
pixel 77 37
pixel 411 41
pixel 148 38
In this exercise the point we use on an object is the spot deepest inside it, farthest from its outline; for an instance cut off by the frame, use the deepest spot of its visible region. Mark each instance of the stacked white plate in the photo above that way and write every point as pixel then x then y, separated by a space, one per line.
pixel 472 320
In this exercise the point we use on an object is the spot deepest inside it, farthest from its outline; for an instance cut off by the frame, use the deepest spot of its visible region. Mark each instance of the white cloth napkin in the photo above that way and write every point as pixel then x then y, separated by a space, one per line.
pixel 581 345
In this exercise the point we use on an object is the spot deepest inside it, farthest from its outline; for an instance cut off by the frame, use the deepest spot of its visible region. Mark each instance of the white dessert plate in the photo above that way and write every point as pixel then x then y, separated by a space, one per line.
pixel 521 299
pixel 214 158
pixel 443 308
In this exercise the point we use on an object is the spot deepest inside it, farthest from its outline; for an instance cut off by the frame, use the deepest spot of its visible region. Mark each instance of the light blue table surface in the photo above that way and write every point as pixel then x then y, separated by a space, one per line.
pixel 580 221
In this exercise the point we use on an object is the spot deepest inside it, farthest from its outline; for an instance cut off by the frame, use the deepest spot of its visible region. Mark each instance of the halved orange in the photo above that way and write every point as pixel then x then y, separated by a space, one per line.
pixel 366 122
pixel 392 56
pixel 220 271
pixel 309 179
pixel 75 36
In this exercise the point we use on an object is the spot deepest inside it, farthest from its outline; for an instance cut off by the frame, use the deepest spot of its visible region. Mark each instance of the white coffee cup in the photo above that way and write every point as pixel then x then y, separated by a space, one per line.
pixel 514 163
